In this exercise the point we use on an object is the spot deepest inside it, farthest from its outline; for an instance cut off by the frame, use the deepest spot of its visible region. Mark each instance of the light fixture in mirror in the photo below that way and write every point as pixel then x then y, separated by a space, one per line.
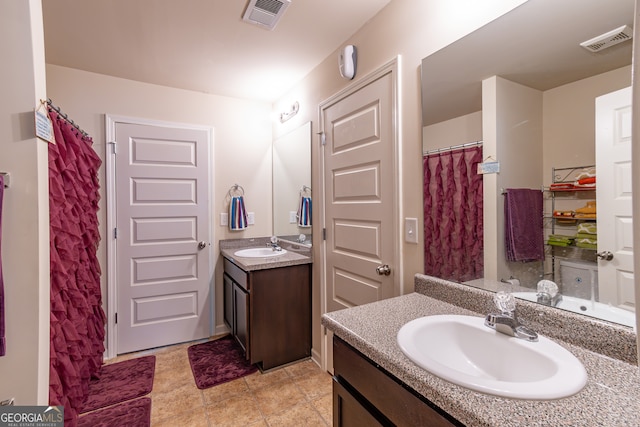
pixel 525 86
pixel 292 185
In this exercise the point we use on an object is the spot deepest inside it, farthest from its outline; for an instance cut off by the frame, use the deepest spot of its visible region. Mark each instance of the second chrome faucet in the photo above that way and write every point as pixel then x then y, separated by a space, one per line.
pixel 506 321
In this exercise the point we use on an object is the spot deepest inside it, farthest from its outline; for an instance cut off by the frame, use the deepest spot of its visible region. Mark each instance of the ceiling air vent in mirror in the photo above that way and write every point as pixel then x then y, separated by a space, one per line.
pixel 608 39
pixel 265 13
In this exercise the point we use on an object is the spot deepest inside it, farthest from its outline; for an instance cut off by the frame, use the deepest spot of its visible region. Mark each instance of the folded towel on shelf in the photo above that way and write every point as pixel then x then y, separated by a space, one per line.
pixel 559 186
pixel 587 181
pixel 237 214
pixel 588 228
pixel 589 208
pixel 558 243
pixel 587 243
pixel 585 215
pixel 587 236
pixel 560 240
pixel 304 212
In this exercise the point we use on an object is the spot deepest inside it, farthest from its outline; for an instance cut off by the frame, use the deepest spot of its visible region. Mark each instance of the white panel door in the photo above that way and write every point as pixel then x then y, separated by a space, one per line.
pixel 360 178
pixel 613 195
pixel 163 252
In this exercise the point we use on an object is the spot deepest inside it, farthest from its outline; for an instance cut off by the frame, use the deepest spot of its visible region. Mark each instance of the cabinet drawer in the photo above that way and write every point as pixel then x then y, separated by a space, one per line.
pixel 396 402
pixel 236 273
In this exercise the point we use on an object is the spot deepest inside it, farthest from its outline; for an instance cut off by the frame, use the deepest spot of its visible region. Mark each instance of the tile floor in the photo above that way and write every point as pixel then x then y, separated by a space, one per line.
pixel 295 395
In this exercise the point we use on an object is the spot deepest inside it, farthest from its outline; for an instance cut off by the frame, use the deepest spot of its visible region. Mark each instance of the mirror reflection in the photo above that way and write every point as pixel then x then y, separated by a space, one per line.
pixel 520 189
pixel 292 198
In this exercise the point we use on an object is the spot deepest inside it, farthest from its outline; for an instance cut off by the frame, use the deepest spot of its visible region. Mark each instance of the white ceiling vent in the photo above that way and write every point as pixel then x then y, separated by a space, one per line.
pixel 265 13
pixel 609 39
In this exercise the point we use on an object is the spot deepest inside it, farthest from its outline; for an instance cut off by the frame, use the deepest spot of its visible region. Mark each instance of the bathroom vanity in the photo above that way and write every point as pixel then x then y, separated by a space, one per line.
pixel 376 384
pixel 267 305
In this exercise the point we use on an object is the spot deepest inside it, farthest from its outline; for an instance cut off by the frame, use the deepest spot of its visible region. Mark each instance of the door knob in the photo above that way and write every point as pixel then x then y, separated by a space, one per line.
pixel 605 255
pixel 202 245
pixel 383 270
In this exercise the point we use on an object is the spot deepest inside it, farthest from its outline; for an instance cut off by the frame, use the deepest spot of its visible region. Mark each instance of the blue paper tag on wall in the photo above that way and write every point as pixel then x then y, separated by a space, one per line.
pixel 488 167
pixel 44 127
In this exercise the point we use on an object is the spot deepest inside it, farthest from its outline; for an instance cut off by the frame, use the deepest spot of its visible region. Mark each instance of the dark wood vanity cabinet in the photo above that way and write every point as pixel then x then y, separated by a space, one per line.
pixel 366 395
pixel 269 312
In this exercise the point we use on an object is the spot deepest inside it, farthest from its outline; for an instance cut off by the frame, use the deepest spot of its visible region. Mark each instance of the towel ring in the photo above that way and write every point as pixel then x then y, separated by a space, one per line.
pixel 235 190
pixel 305 190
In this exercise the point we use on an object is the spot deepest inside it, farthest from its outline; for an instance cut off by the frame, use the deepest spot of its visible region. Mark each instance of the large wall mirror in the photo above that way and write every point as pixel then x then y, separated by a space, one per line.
pixel 292 198
pixel 522 92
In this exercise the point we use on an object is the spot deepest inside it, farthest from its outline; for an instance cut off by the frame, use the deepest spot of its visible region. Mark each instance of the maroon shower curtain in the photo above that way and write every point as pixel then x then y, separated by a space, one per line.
pixel 453 242
pixel 77 325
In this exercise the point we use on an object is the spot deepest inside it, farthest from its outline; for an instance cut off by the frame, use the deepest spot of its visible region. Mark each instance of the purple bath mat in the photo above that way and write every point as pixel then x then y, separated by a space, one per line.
pixel 217 362
pixel 134 413
pixel 121 381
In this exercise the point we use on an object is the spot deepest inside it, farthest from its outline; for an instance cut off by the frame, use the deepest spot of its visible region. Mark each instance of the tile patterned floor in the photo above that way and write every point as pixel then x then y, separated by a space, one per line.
pixel 295 395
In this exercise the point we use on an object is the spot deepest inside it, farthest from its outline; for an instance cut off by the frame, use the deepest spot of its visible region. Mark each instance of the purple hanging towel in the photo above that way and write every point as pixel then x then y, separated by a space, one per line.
pixel 3 344
pixel 523 220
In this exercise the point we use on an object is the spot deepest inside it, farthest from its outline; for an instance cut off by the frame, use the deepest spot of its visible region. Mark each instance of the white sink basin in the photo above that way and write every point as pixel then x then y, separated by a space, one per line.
pixel 259 253
pixel 462 350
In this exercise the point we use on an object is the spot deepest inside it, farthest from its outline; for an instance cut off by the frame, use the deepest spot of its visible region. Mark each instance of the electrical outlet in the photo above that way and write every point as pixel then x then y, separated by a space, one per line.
pixel 251 218
pixel 224 218
pixel 293 217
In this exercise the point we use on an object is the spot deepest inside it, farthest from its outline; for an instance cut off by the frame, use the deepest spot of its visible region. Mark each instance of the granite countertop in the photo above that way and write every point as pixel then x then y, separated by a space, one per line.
pixel 296 254
pixel 610 398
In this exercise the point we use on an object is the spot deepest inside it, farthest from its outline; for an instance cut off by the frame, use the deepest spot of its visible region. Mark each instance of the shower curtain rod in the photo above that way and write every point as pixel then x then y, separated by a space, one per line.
pixel 64 116
pixel 453 147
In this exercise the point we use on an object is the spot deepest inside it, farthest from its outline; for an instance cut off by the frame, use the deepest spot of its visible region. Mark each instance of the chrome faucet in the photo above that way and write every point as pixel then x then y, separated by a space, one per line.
pixel 274 244
pixel 548 293
pixel 546 299
pixel 506 322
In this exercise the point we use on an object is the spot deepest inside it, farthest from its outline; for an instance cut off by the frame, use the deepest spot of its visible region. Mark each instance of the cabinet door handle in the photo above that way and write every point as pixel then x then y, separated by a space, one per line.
pixel 383 270
pixel 605 255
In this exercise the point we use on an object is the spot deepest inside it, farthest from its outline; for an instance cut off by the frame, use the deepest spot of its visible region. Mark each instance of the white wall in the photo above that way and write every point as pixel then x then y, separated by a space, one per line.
pixel 241 139
pixel 456 131
pixel 512 128
pixel 24 370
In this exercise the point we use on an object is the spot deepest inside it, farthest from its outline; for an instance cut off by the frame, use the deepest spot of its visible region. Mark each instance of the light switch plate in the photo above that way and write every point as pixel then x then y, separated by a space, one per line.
pixel 411 230
pixel 293 217
pixel 224 218
pixel 251 218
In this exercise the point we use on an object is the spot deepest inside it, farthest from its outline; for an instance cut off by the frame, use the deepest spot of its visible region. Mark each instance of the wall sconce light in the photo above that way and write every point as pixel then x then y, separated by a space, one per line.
pixel 288 114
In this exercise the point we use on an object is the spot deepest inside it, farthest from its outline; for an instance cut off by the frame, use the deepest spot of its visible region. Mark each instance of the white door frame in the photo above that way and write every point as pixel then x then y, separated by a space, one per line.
pixel 392 67
pixel 110 192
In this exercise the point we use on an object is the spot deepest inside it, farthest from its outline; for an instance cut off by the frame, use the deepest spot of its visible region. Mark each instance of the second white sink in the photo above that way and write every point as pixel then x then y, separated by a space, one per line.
pixel 259 253
pixel 462 350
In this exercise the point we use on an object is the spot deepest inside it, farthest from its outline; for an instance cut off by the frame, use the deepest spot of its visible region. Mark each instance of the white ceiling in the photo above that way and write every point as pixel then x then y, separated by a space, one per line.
pixel 200 45
pixel 536 44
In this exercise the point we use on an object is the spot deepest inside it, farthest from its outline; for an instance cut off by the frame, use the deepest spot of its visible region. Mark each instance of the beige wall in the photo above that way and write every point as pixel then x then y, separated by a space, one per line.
pixel 242 137
pixel 569 119
pixel 241 143
pixel 24 370
pixel 411 30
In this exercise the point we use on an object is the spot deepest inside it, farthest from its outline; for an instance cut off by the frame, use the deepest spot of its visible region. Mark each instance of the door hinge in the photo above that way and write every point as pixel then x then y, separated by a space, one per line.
pixel 115 233
pixel 324 234
pixel 116 318
pixel 113 146
pixel 323 139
